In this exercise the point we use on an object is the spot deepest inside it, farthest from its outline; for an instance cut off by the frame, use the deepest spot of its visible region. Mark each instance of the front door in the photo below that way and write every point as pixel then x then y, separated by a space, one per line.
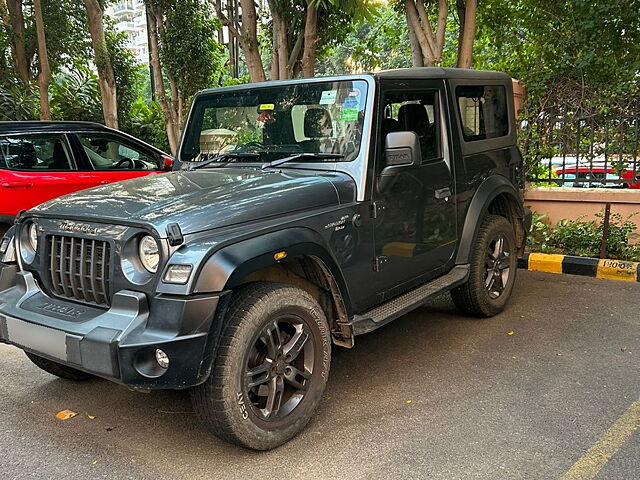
pixel 415 224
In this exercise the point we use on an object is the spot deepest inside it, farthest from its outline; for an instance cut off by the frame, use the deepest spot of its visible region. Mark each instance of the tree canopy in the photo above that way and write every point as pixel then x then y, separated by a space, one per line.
pixel 582 54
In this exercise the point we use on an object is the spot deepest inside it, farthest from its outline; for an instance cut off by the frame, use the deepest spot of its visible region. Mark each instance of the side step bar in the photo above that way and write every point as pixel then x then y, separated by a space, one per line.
pixel 385 313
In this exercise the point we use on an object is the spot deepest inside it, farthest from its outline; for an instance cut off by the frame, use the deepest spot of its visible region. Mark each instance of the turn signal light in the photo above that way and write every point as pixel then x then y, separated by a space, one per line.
pixel 178 274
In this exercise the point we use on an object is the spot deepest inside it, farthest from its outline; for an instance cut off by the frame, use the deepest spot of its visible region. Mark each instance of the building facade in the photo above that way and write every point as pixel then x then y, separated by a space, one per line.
pixel 129 17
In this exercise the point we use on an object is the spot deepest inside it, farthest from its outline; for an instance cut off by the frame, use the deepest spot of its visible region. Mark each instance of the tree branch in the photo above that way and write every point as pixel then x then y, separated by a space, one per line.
pixel 413 22
pixel 232 25
pixel 426 25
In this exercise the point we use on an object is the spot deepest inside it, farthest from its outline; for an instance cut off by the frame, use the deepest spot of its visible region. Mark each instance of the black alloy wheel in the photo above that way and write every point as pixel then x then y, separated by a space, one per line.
pixel 279 367
pixel 492 269
pixel 270 369
pixel 498 264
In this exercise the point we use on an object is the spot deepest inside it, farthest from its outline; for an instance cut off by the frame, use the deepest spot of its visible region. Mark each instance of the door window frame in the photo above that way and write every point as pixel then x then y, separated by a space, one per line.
pixel 88 165
pixel 415 86
pixel 66 144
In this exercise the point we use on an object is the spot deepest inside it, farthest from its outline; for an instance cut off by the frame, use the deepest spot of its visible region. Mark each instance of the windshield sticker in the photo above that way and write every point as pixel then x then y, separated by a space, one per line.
pixel 351 102
pixel 328 97
pixel 349 114
pixel 266 106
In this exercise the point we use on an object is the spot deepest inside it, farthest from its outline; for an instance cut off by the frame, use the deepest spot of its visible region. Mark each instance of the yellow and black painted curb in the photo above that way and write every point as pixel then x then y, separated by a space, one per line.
pixel 590 267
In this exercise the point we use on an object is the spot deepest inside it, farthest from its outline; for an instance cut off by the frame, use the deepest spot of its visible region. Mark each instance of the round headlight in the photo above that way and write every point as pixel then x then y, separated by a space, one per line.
pixel 33 237
pixel 149 253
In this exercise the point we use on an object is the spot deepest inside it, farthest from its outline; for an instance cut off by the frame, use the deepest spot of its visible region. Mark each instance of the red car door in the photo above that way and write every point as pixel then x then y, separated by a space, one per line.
pixel 35 168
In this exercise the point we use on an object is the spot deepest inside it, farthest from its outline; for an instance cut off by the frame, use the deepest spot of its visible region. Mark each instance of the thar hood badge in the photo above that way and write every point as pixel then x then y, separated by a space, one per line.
pixel 77 227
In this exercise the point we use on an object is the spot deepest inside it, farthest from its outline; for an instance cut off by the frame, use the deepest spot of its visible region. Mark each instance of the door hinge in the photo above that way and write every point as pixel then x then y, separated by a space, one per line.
pixel 379 261
pixel 376 209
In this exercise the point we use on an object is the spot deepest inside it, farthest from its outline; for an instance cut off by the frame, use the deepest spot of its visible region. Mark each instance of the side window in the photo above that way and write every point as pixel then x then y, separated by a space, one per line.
pixel 414 112
pixel 483 112
pixel 107 153
pixel 35 153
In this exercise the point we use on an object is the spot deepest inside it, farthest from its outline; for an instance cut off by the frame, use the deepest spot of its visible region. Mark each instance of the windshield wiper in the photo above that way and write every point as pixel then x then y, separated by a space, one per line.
pixel 300 156
pixel 218 158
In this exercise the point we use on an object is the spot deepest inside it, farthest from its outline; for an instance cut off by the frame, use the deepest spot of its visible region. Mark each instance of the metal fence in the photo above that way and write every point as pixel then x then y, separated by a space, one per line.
pixel 561 149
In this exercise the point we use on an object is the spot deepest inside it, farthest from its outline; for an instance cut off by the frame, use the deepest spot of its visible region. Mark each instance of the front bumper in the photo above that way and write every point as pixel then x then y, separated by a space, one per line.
pixel 118 344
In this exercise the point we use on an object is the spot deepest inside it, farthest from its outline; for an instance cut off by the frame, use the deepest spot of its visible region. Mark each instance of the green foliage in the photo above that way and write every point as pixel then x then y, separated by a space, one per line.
pixel 584 54
pixel 66 30
pixel 189 50
pixel 18 102
pixel 75 95
pixel 147 123
pixel 583 237
pixel 369 46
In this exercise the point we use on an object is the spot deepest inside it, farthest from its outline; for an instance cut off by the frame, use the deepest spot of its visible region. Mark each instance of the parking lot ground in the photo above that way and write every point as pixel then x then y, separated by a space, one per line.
pixel 525 394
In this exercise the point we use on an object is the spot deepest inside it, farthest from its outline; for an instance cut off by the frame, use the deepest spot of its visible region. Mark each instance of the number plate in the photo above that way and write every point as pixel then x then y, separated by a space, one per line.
pixel 37 338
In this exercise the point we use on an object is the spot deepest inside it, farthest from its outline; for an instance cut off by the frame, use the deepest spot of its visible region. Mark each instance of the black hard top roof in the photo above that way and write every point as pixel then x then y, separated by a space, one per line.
pixel 440 72
pixel 50 126
pixel 416 72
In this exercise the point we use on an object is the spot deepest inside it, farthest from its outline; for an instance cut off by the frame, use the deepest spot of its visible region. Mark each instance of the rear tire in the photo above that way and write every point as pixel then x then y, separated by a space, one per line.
pixel 271 367
pixel 58 369
pixel 492 270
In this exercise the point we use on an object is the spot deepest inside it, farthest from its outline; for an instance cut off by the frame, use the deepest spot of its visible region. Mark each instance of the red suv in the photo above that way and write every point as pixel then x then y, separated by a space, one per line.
pixel 43 160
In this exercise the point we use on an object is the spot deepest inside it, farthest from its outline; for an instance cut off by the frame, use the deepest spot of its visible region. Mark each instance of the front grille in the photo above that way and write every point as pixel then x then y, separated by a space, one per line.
pixel 80 268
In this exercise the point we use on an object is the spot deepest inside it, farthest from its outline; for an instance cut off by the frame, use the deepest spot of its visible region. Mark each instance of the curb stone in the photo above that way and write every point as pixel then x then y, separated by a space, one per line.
pixel 621 270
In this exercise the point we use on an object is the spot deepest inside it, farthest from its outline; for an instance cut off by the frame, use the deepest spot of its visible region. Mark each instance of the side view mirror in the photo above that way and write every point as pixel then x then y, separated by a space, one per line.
pixel 167 163
pixel 402 150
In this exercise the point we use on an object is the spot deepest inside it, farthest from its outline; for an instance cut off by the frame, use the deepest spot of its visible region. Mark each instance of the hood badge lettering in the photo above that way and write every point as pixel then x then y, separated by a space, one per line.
pixel 78 228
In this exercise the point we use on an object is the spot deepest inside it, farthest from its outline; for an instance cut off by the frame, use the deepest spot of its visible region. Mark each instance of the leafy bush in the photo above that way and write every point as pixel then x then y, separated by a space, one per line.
pixel 583 237
pixel 18 102
pixel 75 95
pixel 147 124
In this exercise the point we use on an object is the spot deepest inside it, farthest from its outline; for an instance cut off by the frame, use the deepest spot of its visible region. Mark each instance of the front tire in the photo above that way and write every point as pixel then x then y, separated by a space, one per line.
pixel 270 369
pixel 492 270
pixel 58 369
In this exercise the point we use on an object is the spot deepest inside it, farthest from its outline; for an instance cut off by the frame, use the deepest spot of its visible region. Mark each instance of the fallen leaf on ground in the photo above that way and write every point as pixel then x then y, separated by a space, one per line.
pixel 91 417
pixel 66 414
pixel 408 402
pixel 510 332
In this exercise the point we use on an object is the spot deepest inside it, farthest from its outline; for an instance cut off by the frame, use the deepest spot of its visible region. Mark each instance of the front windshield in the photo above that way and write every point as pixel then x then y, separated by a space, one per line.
pixel 325 119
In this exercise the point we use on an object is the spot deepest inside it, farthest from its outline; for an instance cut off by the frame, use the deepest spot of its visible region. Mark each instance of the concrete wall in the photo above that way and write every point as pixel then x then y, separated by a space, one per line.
pixel 560 202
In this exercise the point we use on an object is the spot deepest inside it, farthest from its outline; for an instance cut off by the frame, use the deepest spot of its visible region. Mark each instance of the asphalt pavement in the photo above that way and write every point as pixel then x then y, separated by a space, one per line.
pixel 533 393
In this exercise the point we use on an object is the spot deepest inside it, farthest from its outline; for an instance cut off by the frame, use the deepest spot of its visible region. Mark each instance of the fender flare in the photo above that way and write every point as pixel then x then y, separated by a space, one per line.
pixel 489 189
pixel 229 265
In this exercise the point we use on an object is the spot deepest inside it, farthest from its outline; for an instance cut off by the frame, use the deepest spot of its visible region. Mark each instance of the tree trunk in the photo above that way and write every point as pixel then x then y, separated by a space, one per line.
pixel 273 69
pixel 413 23
pixel 169 121
pixel 468 34
pixel 310 40
pixel 443 13
pixel 14 21
pixel 249 41
pixel 106 77
pixel 416 52
pixel 280 41
pixel 44 75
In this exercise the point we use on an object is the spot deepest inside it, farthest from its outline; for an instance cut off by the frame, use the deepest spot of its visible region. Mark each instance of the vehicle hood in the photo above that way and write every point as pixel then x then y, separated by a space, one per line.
pixel 204 199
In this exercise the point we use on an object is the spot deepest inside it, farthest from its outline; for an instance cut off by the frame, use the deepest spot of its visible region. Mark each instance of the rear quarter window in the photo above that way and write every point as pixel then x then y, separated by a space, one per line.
pixel 482 111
